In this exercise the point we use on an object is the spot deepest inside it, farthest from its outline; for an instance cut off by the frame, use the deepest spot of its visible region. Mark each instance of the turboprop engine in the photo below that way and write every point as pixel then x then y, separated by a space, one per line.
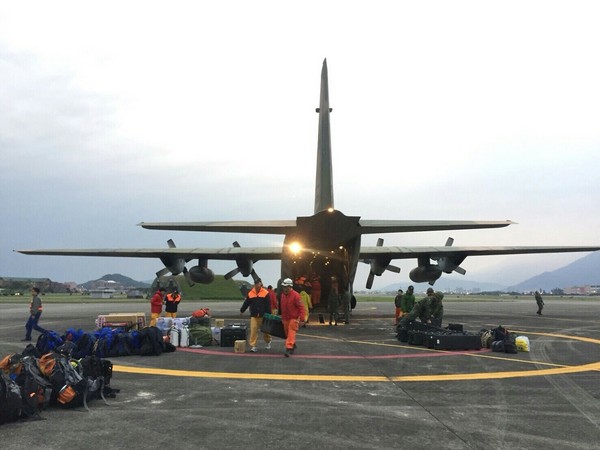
pixel 201 273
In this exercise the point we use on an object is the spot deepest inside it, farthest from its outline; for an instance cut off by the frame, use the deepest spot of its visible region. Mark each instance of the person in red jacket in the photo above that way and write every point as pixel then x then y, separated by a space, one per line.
pixel 292 314
pixel 156 303
pixel 273 297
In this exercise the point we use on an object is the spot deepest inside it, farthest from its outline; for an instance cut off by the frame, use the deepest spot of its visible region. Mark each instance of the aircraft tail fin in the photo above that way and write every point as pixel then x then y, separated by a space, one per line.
pixel 324 178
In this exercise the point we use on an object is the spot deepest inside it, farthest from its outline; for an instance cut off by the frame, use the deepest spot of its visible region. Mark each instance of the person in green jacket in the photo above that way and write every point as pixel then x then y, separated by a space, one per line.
pixel 422 310
pixel 407 303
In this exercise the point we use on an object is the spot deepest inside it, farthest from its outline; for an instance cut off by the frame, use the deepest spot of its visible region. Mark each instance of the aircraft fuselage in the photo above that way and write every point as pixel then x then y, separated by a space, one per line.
pixel 326 244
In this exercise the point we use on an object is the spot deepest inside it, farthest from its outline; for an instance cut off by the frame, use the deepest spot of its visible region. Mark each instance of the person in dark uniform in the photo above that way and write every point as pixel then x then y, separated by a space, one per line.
pixel 540 302
pixel 397 304
pixel 333 301
pixel 422 310
pixel 171 303
pixel 437 309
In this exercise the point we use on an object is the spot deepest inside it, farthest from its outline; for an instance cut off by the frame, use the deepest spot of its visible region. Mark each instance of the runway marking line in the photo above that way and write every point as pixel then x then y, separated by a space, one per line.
pixel 559 370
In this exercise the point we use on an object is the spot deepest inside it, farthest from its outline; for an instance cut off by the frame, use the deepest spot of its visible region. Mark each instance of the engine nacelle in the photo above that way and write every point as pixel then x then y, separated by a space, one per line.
pixel 378 265
pixel 423 274
pixel 202 275
pixel 174 265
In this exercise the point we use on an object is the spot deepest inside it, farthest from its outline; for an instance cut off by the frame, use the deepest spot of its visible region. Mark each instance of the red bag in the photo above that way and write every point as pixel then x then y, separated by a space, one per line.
pixel 204 312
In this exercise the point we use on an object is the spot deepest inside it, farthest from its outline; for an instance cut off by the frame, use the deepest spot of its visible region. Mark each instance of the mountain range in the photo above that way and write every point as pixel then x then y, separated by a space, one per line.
pixel 119 279
pixel 582 272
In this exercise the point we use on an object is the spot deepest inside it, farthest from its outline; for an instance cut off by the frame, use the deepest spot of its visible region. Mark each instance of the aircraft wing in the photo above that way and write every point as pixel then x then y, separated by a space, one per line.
pixel 256 226
pixel 285 226
pixel 228 253
pixel 406 226
pixel 453 252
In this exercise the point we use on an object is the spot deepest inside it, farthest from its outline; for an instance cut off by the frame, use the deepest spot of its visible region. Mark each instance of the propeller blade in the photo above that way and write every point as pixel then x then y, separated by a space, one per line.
pixel 393 269
pixel 460 270
pixel 162 272
pixel 231 273
pixel 254 275
pixel 370 280
pixel 188 277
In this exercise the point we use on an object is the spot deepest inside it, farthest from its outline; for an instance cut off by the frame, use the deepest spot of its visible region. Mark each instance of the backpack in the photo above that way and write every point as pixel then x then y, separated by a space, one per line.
pixel 97 373
pixel 10 399
pixel 499 334
pixel 68 386
pixel 152 343
pixel 36 391
pixel 11 365
pixel 48 341
pixel 84 346
pixel 200 335
pixel 497 346
pixel 486 338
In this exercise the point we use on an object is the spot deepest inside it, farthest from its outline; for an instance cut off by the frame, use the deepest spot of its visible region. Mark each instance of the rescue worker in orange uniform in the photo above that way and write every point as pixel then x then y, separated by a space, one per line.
pixel 171 303
pixel 259 301
pixel 273 297
pixel 292 314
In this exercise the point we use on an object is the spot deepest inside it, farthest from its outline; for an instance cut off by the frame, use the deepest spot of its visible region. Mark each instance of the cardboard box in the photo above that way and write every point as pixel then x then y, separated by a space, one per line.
pixel 219 323
pixel 239 346
pixel 132 320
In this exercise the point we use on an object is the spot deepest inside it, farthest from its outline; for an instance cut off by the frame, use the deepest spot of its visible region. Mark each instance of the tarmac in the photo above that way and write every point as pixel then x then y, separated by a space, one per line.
pixel 348 386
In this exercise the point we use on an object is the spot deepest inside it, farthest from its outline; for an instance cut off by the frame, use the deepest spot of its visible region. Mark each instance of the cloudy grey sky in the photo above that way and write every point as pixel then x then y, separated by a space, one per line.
pixel 121 112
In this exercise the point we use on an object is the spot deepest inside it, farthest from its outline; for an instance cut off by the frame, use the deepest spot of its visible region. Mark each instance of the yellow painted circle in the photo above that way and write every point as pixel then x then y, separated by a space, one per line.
pixel 558 370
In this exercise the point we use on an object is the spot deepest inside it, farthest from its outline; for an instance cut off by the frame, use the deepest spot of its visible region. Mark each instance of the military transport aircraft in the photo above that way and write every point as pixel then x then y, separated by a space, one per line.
pixel 328 243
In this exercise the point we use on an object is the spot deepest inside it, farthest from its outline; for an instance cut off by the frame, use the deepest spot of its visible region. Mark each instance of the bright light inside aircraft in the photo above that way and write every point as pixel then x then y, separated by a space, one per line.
pixel 330 210
pixel 295 247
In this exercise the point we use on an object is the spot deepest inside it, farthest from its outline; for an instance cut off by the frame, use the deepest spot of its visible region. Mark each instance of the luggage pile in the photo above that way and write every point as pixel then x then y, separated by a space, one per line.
pixel 29 382
pixel 453 337
pixel 499 339
pixel 106 342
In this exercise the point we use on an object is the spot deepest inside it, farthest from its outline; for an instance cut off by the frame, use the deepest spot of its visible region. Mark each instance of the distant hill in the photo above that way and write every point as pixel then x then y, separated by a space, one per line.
pixel 584 271
pixel 119 279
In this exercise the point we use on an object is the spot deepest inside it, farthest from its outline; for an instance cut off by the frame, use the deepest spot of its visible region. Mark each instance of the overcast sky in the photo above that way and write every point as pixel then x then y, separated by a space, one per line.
pixel 121 112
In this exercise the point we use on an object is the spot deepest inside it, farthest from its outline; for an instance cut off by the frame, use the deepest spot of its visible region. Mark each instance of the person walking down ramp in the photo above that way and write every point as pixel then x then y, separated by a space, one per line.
pixel 306 301
pixel 259 301
pixel 292 313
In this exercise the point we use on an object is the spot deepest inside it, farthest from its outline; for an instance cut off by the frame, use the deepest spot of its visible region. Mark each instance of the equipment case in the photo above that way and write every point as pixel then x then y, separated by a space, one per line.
pixel 272 324
pixel 453 341
pixel 232 333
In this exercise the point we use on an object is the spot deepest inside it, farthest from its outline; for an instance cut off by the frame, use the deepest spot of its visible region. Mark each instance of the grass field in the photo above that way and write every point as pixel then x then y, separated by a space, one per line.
pixel 236 296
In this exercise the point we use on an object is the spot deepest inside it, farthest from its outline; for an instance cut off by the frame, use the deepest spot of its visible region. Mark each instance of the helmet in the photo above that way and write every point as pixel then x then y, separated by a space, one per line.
pixel 287 282
pixel 429 291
